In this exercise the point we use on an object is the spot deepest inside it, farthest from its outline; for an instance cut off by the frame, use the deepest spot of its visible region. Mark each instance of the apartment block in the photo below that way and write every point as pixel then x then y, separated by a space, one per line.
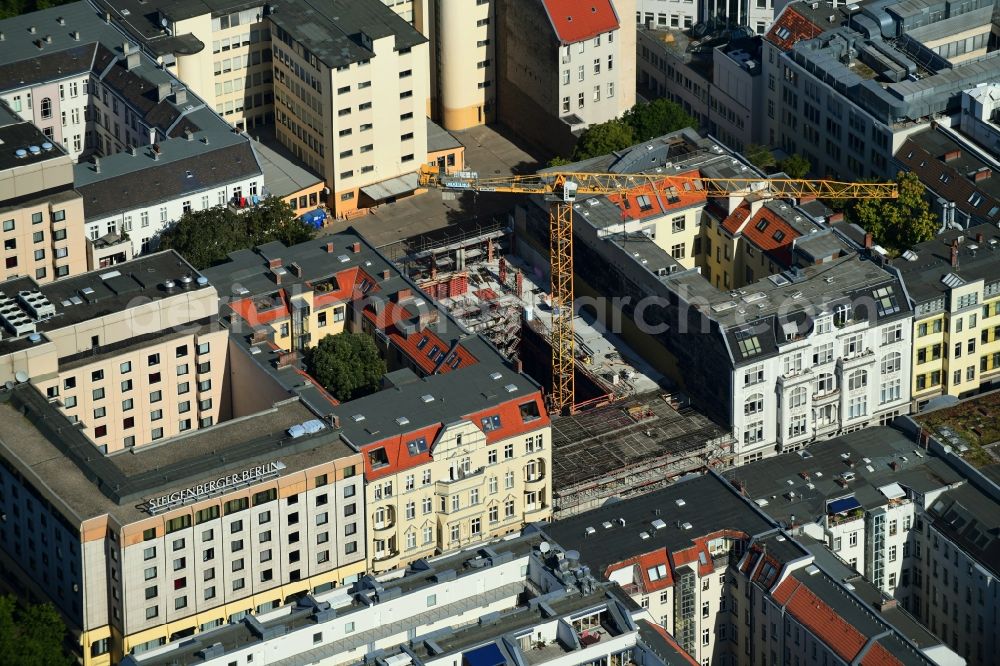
pixel 42 215
pixel 457 445
pixel 503 603
pixel 954 285
pixel 846 84
pixel 563 67
pixel 670 551
pixel 138 124
pixel 780 327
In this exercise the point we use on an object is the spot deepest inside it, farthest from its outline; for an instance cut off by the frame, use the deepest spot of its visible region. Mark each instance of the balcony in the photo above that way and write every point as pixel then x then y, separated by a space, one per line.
pixel 826 396
pixel 534 472
pixel 384 554
pixel 384 518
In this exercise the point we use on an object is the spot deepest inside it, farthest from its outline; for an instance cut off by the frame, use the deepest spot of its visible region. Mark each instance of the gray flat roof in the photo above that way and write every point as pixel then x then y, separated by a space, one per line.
pixel 18 135
pixel 923 276
pixel 438 138
pixel 282 176
pixel 331 30
pixel 709 505
pixel 122 286
pixel 769 482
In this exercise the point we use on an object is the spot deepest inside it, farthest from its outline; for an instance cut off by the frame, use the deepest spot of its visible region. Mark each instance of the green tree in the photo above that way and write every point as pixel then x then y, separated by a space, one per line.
pixel 897 224
pixel 206 237
pixel 558 161
pixel 649 120
pixel 795 166
pixel 32 635
pixel 760 156
pixel 603 138
pixel 346 364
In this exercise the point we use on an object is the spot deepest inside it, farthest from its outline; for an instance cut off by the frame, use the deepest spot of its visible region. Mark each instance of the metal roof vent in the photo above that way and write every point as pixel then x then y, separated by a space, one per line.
pixel 496 376
pixel 357 418
pixel 589 531
pixel 643 535
pixel 686 526
pixel 402 420
pixel 427 398
pixel 510 388
pixel 680 502
pixel 658 524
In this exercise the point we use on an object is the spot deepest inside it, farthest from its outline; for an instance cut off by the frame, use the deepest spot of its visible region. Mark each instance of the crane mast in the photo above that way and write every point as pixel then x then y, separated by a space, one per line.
pixel 562 188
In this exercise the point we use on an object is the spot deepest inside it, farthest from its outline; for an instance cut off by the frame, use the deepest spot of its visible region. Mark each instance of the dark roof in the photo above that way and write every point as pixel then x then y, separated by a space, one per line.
pixel 332 30
pixel 709 505
pixel 151 181
pixel 950 170
pixel 924 273
pixel 971 519
pixel 769 482
pixel 15 135
pixel 138 280
pixel 44 65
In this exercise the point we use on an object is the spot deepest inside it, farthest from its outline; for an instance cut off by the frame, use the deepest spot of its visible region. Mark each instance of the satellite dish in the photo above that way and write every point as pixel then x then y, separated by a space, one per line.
pixel 21 376
pixel 9 385
pixel 163 22
pixel 544 547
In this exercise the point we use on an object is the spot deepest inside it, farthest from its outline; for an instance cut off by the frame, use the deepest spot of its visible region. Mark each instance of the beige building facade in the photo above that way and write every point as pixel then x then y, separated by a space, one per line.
pixel 42 216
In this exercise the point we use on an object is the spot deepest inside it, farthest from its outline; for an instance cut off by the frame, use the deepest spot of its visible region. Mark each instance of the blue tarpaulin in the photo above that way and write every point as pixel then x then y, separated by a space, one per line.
pixel 843 505
pixel 487 655
pixel 314 218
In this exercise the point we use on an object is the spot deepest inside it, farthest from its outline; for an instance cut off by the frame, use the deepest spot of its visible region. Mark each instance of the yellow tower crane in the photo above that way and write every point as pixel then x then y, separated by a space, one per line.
pixel 562 188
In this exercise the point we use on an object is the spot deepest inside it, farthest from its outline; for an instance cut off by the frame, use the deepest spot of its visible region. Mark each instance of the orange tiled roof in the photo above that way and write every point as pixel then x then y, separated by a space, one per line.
pixel 827 625
pixel 576 20
pixel 766 230
pixel 791 27
pixel 632 210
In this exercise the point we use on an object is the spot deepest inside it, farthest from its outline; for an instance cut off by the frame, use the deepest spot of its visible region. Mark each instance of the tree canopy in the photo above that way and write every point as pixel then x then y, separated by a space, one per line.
pixel 897 224
pixel 796 166
pixel 347 364
pixel 31 635
pixel 603 138
pixel 649 120
pixel 760 156
pixel 206 237
pixel 9 8
pixel 644 121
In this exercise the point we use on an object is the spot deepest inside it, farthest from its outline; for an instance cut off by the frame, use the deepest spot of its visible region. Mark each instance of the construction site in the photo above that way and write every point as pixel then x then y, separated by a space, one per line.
pixel 629 432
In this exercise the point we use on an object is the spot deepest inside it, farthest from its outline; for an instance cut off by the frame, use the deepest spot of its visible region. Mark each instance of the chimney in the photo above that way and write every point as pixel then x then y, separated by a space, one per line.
pixel 156 152
pixel 868 241
pixel 32 30
pixel 329 247
pixel 48 39
pixel 385 274
pixel 61 21
pixel 276 276
pixel 295 269
pixel 335 421
pixel 355 248
pixel 982 174
pixel 954 253
pixel 107 17
pixel 952 155
pixel 286 359
pixel 188 134
pixel 980 237
pixel 131 61
pixel 402 295
pixel 75 36
pixel 180 95
pixel 162 90
pixel 126 48
pixel 97 165
pixel 274 263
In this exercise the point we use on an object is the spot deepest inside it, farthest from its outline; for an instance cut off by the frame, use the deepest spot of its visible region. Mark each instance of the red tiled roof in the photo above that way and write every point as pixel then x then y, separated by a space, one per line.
pixel 947 182
pixel 397 453
pixel 824 622
pixel 791 27
pixel 764 239
pixel 399 456
pixel 576 20
pixel 631 210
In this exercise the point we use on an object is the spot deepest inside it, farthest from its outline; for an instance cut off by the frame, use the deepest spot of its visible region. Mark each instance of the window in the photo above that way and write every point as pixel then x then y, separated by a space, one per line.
pixel 797 398
pixel 857 380
pixel 754 404
pixel 753 375
pixel 677 224
pixel 891 363
pixel 753 433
